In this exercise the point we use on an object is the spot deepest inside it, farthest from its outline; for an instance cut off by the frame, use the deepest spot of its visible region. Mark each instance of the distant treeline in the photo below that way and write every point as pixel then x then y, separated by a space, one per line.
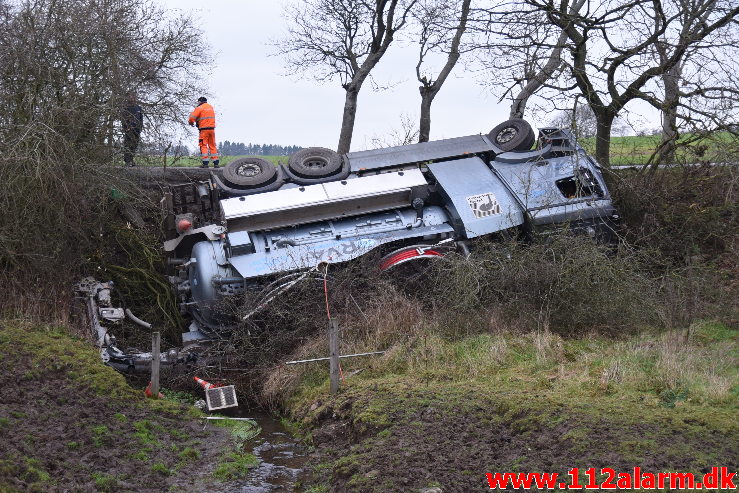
pixel 227 148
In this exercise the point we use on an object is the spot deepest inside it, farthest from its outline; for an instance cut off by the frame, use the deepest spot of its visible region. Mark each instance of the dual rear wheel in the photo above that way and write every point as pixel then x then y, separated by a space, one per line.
pixel 310 163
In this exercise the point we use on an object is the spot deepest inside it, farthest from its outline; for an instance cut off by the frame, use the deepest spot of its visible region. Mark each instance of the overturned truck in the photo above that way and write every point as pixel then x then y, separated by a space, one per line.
pixel 259 226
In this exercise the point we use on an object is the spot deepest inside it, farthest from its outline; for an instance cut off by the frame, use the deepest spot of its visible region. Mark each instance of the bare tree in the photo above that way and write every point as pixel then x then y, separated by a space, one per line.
pixel 442 24
pixel 520 52
pixel 342 39
pixel 522 48
pixel 611 47
pixel 65 69
pixel 611 52
pixel 71 64
pixel 536 75
pixel 700 90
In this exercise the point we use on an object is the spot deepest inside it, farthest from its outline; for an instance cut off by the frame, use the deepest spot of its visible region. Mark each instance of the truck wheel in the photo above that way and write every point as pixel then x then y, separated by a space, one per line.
pixel 513 135
pixel 315 162
pixel 249 172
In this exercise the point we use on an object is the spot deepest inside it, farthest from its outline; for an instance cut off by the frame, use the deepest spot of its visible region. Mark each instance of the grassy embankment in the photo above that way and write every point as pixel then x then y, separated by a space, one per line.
pixel 70 423
pixel 443 413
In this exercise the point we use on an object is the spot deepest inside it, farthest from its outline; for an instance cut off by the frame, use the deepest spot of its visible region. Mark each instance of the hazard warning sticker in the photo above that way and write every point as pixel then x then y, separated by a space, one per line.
pixel 484 205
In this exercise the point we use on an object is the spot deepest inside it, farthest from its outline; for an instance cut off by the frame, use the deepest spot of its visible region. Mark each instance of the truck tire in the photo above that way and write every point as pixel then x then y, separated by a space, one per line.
pixel 314 162
pixel 513 135
pixel 249 172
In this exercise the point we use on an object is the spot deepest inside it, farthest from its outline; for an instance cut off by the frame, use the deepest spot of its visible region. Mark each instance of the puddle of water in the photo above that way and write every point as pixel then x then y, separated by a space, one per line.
pixel 281 458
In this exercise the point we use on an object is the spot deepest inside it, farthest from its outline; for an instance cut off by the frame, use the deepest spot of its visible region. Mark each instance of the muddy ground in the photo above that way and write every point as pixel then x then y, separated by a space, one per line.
pixel 71 424
pixel 402 436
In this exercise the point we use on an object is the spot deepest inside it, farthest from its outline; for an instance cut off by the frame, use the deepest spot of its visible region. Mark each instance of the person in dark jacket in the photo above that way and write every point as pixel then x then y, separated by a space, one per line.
pixel 132 122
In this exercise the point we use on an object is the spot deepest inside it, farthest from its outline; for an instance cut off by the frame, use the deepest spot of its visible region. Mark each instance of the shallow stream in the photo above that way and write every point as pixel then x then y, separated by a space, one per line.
pixel 281 458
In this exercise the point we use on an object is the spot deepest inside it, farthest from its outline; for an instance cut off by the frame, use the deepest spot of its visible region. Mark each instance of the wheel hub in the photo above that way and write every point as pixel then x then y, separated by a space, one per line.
pixel 315 163
pixel 506 135
pixel 248 170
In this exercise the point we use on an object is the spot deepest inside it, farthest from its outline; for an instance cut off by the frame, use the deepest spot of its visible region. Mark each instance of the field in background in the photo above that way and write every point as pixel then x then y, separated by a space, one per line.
pixel 638 149
pixel 631 150
pixel 195 161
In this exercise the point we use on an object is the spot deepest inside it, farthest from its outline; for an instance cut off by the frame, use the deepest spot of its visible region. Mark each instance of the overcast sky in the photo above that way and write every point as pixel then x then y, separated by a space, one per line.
pixel 256 103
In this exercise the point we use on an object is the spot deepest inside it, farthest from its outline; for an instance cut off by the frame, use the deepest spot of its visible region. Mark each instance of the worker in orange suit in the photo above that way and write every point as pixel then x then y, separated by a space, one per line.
pixel 204 117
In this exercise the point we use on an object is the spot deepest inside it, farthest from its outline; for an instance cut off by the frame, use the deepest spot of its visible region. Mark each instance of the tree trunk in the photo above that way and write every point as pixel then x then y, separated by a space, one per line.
pixel 603 139
pixel 429 90
pixel 427 97
pixel 347 121
pixel 352 92
pixel 669 115
pixel 518 107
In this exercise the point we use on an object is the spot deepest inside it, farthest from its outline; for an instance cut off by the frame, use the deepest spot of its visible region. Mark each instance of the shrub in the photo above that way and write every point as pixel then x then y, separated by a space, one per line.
pixel 59 138
pixel 680 213
pixel 564 283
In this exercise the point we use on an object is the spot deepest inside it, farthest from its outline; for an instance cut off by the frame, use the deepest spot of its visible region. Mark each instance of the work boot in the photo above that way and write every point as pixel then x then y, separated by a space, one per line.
pixel 204 165
pixel 215 163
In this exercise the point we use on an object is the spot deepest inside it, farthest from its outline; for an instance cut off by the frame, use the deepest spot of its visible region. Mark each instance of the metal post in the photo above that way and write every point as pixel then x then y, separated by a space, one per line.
pixel 333 346
pixel 168 209
pixel 155 364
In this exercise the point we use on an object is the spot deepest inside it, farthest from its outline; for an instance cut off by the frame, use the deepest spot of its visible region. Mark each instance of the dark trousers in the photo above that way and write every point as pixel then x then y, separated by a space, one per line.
pixel 131 139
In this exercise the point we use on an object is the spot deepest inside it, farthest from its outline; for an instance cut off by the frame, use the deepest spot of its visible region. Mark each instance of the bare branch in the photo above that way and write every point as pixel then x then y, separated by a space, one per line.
pixel 344 39
pixel 441 27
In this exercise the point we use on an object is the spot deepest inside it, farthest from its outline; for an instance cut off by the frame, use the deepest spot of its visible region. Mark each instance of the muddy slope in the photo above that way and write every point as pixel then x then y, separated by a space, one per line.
pixel 71 424
pixel 401 436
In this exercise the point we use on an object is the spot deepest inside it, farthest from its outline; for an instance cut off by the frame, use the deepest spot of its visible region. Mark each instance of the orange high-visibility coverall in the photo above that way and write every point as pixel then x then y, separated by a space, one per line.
pixel 204 117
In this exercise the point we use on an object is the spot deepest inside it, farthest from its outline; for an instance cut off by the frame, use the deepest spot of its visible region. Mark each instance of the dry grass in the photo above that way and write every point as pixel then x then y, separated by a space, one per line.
pixel 652 367
pixel 498 323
